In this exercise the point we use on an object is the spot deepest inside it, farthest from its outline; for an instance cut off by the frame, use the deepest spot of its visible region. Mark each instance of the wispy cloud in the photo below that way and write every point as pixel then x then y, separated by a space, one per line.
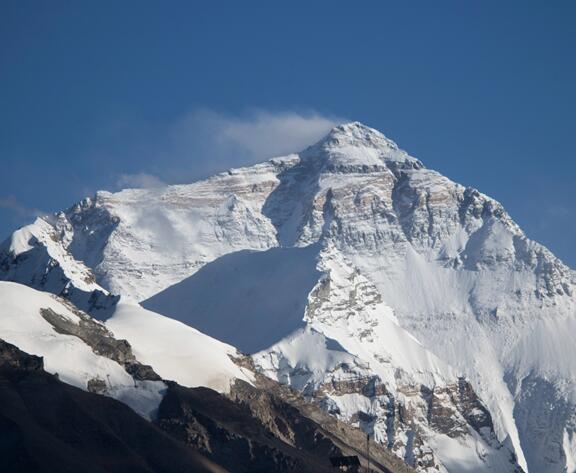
pixel 204 142
pixel 139 180
pixel 559 210
pixel 13 204
pixel 257 135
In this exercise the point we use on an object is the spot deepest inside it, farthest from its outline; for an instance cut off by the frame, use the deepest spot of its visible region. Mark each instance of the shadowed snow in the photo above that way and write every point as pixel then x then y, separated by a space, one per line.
pixel 249 299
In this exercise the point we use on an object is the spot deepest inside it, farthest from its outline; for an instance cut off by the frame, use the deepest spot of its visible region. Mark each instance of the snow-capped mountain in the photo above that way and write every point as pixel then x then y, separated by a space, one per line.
pixel 395 298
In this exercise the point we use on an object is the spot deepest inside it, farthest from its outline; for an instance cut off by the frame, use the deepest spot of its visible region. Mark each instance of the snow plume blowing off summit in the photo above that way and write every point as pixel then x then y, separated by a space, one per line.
pixel 396 299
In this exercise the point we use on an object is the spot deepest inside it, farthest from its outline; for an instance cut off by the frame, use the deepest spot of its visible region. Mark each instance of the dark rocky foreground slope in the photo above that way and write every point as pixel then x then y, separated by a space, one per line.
pixel 266 428
pixel 47 426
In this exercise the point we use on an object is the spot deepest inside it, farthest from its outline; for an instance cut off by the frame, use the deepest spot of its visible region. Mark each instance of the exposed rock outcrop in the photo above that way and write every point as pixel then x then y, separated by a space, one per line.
pixel 101 340
pixel 12 358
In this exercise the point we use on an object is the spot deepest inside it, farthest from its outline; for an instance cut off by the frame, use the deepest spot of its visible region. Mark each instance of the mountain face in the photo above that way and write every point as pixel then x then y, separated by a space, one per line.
pixel 395 299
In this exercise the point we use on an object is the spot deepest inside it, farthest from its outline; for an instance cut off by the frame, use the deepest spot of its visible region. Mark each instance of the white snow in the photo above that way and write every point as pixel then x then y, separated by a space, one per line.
pixel 43 236
pixel 176 351
pixel 303 359
pixel 569 446
pixel 351 335
pixel 74 361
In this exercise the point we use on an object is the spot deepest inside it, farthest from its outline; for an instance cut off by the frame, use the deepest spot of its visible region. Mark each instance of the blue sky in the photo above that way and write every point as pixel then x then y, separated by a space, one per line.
pixel 99 95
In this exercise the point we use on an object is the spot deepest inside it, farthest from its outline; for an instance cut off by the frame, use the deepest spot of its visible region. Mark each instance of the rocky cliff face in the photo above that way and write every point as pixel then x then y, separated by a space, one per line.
pixel 419 282
pixel 12 358
pixel 243 437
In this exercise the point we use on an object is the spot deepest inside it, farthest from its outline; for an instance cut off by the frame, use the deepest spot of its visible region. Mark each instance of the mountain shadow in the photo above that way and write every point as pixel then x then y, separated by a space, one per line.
pixel 249 299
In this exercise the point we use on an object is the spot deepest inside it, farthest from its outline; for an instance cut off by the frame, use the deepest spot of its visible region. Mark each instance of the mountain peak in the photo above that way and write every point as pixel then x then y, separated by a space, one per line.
pixel 356 133
pixel 354 144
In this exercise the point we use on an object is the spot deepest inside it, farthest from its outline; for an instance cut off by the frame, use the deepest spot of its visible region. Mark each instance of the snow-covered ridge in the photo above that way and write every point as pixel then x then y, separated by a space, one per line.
pixel 39 255
pixel 176 351
pixel 22 323
pixel 449 283
pixel 95 356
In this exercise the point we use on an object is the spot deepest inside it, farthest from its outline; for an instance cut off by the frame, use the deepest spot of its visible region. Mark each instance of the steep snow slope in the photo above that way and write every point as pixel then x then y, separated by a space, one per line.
pixel 38 255
pixel 24 323
pixel 140 241
pixel 176 351
pixel 458 271
pixel 449 263
pixel 40 323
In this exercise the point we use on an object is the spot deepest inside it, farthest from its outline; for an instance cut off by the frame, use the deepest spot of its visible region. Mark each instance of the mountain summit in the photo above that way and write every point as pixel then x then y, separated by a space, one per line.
pixel 355 144
pixel 396 299
pixel 356 134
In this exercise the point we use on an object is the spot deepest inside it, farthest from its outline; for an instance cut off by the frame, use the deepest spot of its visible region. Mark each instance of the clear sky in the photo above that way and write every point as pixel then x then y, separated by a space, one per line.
pixel 100 95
